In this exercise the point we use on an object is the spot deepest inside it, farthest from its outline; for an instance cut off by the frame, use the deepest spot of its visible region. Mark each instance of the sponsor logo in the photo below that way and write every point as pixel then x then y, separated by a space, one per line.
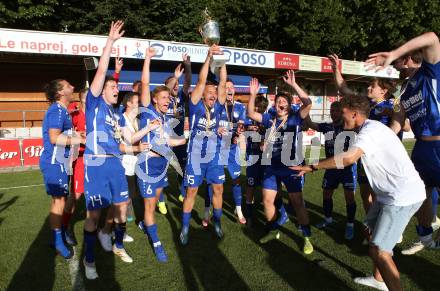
pixel 159 49
pixel 245 58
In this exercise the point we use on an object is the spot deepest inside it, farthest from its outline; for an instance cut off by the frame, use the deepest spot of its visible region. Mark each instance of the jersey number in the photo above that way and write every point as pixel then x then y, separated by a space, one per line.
pixel 190 179
pixel 94 199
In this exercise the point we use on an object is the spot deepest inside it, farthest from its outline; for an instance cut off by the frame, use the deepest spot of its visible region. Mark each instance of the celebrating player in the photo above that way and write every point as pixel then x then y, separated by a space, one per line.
pixel 54 160
pixel 281 129
pixel 205 106
pixel 332 178
pixel 379 92
pixel 420 103
pixel 153 163
pixel 105 183
pixel 231 117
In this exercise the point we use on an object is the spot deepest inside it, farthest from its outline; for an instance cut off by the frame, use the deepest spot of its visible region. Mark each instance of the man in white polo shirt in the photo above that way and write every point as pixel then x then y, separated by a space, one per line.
pixel 392 176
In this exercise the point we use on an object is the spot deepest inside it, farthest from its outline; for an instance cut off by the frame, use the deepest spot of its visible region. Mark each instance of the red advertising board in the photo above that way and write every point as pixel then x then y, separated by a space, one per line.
pixel 326 65
pixel 286 61
pixel 32 149
pixel 9 153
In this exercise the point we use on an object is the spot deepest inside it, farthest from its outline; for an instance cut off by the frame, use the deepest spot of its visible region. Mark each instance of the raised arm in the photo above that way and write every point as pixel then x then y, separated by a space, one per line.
pixel 221 89
pixel 340 83
pixel 113 36
pixel 254 87
pixel 203 75
pixel 118 68
pixel 145 79
pixel 177 74
pixel 310 124
pixel 188 74
pixel 306 106
pixel 427 42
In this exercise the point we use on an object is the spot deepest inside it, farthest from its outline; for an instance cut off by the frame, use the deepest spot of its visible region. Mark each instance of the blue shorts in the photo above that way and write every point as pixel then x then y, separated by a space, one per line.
pixel 426 159
pixel 234 167
pixel 55 179
pixel 361 175
pixel 255 174
pixel 105 184
pixel 273 176
pixel 212 171
pixel 153 176
pixel 347 177
pixel 387 223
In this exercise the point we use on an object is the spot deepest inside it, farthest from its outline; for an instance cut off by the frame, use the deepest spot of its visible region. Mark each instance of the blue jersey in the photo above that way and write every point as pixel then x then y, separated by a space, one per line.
pixel 254 148
pixel 331 132
pixel 232 114
pixel 201 125
pixel 292 126
pixel 176 110
pixel 102 125
pixel 158 137
pixel 56 117
pixel 421 100
pixel 382 112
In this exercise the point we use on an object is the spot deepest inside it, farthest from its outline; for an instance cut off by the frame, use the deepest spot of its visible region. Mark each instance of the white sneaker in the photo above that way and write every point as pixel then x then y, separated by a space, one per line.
pixel 122 254
pixel 90 270
pixel 128 238
pixel 436 224
pixel 371 282
pixel 106 240
pixel 415 248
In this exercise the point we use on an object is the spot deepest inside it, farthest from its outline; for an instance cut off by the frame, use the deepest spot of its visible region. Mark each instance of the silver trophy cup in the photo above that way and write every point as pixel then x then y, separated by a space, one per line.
pixel 210 32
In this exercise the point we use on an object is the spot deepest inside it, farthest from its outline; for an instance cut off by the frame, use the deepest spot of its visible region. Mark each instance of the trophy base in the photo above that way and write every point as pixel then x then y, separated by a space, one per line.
pixel 217 62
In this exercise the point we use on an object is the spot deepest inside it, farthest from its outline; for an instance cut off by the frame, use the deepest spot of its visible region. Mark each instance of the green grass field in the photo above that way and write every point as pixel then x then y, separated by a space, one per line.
pixel 238 262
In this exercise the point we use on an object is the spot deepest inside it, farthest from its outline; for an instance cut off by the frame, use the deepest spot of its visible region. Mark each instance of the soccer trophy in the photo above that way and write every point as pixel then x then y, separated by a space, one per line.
pixel 210 32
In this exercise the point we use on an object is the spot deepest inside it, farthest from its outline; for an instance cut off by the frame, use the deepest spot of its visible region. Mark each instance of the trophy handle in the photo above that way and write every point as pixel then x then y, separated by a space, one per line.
pixel 201 31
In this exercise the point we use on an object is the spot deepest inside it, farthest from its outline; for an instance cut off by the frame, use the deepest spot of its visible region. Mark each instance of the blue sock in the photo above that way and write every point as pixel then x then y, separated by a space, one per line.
pixel 236 193
pixel 306 230
pixel 208 197
pixel 89 241
pixel 327 204
pixel 152 233
pixel 280 206
pixel 423 231
pixel 217 213
pixel 351 212
pixel 186 217
pixel 59 242
pixel 119 234
pixel 161 197
pixel 249 210
pixel 434 196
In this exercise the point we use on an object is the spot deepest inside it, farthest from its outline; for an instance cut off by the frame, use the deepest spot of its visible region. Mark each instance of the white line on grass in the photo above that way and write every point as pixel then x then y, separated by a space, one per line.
pixel 76 277
pixel 18 187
